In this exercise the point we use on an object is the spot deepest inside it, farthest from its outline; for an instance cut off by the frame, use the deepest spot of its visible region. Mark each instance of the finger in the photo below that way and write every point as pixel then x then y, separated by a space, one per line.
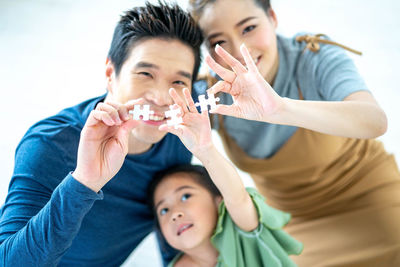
pixel 251 65
pixel 121 109
pixel 228 110
pixel 220 86
pixel 131 103
pixel 235 64
pixel 97 116
pixel 178 100
pixel 189 100
pixel 113 113
pixel 225 74
pixel 128 125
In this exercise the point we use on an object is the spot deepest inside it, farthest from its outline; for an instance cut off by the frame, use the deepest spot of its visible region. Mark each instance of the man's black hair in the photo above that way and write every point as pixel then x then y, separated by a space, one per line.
pixel 165 21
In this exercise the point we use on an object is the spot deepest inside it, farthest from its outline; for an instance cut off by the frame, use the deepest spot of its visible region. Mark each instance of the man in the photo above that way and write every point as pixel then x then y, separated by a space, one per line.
pixel 69 207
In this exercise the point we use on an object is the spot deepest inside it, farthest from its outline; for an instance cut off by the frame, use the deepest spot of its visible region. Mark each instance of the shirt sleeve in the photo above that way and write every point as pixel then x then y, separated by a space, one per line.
pixel 268 245
pixel 331 74
pixel 38 221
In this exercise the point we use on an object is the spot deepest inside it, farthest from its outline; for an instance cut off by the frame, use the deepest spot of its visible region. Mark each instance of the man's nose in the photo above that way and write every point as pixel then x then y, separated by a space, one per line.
pixel 177 215
pixel 160 96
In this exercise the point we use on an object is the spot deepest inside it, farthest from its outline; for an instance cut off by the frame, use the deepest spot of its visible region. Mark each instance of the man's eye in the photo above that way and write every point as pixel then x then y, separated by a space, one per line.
pixel 185 197
pixel 163 211
pixel 249 29
pixel 145 74
pixel 179 82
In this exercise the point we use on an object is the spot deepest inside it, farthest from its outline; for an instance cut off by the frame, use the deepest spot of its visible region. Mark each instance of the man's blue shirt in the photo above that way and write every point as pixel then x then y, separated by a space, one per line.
pixel 51 219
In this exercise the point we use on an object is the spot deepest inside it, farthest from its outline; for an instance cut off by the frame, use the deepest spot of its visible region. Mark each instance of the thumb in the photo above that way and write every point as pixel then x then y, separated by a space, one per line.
pixel 128 126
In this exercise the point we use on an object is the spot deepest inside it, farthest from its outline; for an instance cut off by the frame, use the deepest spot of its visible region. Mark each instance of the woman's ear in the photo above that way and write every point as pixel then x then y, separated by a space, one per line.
pixel 272 17
pixel 110 75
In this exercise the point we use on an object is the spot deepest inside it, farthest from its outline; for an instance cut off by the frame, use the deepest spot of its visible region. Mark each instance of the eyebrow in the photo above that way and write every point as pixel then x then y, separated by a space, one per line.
pixel 144 64
pixel 240 23
pixel 176 190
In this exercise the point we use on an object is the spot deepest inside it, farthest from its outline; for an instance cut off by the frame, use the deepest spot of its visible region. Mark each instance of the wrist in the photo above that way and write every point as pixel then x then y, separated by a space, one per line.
pixel 89 183
pixel 206 153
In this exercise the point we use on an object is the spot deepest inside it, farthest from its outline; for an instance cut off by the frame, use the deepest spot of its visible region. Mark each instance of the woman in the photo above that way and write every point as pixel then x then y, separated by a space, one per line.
pixel 310 146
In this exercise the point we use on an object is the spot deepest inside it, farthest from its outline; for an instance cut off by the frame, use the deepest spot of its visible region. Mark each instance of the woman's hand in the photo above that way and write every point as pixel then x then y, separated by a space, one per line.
pixel 104 143
pixel 195 132
pixel 253 97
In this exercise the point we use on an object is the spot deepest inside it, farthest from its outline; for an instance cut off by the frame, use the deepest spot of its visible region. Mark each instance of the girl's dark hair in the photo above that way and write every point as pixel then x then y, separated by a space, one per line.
pixel 197 173
pixel 196 7
pixel 165 21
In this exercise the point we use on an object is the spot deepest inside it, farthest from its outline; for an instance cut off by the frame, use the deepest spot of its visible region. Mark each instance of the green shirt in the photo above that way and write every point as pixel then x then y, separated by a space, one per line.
pixel 268 245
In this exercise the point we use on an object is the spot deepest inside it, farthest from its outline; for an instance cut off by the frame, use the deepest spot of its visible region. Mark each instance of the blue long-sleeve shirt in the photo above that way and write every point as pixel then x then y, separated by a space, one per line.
pixel 50 219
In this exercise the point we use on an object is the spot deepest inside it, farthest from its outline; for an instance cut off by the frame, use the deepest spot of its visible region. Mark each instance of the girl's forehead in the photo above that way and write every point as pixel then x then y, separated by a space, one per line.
pixel 172 183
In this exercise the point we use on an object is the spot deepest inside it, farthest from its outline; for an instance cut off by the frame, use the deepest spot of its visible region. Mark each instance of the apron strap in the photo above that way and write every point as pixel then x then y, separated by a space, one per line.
pixel 313 42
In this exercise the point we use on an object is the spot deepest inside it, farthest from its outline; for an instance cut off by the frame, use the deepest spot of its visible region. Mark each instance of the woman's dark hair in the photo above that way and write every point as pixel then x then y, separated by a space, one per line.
pixel 198 174
pixel 165 21
pixel 196 7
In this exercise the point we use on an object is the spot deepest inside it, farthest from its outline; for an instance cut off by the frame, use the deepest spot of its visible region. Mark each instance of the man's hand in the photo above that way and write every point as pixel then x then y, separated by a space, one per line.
pixel 104 143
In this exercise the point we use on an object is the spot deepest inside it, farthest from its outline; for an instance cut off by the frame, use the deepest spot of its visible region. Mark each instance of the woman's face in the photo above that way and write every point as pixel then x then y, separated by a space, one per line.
pixel 230 23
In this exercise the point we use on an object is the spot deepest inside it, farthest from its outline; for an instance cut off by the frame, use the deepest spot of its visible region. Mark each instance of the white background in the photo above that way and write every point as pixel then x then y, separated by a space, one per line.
pixel 52 55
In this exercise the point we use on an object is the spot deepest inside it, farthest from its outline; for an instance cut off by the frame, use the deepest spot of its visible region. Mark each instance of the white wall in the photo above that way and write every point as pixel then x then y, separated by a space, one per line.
pixel 53 53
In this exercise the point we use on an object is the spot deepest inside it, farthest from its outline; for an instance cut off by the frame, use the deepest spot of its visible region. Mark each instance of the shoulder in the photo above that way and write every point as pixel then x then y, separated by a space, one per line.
pixel 325 55
pixel 63 127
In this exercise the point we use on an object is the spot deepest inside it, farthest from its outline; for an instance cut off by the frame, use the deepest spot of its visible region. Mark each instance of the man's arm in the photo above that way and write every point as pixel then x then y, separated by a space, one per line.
pixel 41 239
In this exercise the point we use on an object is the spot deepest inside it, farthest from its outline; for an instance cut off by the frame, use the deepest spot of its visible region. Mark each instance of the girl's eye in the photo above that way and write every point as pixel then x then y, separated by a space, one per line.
pixel 185 197
pixel 163 211
pixel 249 29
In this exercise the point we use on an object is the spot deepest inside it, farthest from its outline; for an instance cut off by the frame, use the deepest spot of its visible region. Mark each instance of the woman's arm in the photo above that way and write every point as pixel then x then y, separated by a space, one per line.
pixel 358 116
pixel 195 134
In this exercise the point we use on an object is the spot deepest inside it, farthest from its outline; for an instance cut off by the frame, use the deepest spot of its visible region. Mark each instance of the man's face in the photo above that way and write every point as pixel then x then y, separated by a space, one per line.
pixel 152 68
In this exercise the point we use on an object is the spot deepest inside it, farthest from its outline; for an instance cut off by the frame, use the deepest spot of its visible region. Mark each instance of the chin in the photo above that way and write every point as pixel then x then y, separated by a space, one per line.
pixel 149 136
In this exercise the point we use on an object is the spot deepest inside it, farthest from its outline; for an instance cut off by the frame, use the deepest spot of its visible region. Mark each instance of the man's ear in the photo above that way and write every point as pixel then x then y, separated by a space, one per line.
pixel 217 200
pixel 110 75
pixel 272 17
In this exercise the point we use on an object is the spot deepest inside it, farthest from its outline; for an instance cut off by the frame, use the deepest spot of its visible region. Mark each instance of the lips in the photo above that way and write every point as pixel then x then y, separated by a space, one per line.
pixel 183 227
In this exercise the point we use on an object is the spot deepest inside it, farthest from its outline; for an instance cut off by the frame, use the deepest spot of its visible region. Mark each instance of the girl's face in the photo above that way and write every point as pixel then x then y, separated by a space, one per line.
pixel 187 212
pixel 230 23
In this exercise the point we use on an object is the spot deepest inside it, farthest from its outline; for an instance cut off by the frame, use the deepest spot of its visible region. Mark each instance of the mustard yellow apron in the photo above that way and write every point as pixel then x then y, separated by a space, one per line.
pixel 343 194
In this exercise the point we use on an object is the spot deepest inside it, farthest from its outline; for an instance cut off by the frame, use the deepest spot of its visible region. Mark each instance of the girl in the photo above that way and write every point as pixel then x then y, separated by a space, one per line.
pixel 239 231
pixel 310 147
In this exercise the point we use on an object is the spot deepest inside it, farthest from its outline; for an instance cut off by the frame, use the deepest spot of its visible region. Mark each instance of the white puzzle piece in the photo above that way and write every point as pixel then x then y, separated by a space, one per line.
pixel 173 114
pixel 138 111
pixel 210 101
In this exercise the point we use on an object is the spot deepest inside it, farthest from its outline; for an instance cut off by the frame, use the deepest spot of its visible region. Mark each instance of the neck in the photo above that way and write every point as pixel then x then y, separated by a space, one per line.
pixel 204 256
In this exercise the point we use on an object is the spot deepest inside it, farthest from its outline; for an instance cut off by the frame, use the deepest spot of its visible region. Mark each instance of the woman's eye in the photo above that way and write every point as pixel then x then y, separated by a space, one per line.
pixel 217 43
pixel 185 197
pixel 249 29
pixel 163 211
